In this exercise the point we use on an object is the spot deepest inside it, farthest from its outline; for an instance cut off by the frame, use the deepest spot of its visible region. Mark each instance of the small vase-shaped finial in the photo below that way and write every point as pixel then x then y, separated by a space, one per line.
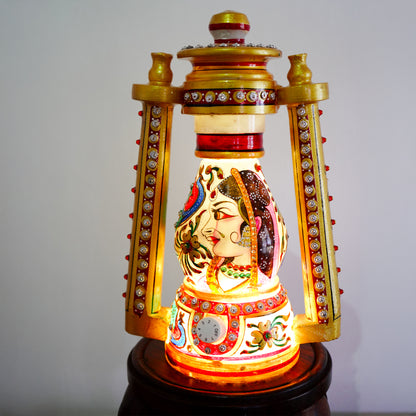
pixel 160 72
pixel 299 73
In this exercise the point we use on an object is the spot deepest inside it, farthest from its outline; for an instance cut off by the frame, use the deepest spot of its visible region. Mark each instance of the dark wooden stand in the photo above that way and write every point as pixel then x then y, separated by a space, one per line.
pixel 157 389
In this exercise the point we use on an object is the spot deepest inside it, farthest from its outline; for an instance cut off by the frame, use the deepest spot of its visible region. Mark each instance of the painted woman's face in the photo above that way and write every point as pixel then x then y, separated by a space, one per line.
pixel 223 228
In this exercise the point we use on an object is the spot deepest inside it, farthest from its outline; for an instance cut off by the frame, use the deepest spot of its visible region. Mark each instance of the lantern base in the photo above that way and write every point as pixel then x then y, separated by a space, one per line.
pixel 155 388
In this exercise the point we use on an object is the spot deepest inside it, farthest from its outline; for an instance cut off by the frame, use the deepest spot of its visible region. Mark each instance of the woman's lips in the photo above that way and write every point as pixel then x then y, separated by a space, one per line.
pixel 214 240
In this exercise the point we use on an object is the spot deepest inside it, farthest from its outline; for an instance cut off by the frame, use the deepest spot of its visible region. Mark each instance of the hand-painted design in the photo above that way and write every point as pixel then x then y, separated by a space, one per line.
pixel 270 334
pixel 227 341
pixel 244 233
pixel 235 271
pixel 212 278
pixel 173 314
pixel 195 200
pixel 228 316
pixel 209 171
pixel 283 236
pixel 178 337
pixel 189 250
pixel 252 224
pixel 248 309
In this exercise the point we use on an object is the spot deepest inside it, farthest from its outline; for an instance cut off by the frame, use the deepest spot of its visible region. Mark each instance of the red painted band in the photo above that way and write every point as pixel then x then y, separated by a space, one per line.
pixel 232 26
pixel 229 142
pixel 231 41
pixel 232 64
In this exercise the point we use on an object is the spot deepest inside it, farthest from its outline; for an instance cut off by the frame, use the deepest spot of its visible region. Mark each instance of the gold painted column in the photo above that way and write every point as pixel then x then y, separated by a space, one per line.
pixel 322 298
pixel 144 314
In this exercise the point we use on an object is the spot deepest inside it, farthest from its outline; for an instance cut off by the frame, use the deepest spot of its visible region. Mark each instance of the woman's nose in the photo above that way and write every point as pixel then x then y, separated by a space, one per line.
pixel 207 231
pixel 208 228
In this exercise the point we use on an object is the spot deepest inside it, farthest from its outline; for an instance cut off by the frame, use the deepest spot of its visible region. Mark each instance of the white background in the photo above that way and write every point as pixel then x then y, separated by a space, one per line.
pixel 68 130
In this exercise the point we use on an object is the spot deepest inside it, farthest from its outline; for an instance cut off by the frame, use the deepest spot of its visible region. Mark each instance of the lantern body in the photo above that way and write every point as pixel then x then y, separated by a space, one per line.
pixel 231 320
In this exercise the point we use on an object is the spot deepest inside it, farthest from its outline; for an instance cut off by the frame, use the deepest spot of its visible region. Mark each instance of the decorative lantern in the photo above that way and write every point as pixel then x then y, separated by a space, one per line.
pixel 231 320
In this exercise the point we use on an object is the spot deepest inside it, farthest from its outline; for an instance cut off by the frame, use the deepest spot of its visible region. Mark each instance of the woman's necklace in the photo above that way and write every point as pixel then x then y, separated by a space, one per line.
pixel 212 277
pixel 235 271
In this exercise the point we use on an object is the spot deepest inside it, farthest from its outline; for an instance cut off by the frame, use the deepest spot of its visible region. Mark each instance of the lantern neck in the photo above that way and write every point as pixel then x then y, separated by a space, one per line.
pixel 229 136
pixel 241 145
pixel 229 123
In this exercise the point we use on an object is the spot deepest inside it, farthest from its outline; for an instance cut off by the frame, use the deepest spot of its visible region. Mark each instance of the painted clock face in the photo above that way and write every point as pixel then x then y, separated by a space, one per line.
pixel 209 330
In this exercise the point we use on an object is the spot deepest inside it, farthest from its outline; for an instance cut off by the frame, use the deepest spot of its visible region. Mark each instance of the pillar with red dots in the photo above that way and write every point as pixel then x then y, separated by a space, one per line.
pixel 320 273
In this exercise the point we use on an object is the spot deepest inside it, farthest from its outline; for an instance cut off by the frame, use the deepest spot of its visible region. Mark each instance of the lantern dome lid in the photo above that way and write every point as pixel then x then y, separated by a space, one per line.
pixel 229 76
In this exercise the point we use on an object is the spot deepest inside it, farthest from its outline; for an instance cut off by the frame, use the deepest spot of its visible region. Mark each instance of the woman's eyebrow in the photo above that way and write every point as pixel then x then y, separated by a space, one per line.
pixel 222 202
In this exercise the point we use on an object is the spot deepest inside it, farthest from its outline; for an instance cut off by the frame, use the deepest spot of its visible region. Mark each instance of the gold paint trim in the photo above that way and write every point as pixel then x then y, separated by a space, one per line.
pixel 157 94
pixel 229 16
pixel 231 53
pixel 302 94
pixel 307 327
pixel 226 79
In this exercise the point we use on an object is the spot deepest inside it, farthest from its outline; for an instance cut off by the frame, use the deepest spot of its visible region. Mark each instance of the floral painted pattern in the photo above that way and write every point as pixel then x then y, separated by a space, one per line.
pixel 268 334
pixel 190 251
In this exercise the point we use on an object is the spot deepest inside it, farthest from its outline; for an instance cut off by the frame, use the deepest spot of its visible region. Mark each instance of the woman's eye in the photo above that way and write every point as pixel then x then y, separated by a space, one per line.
pixel 221 215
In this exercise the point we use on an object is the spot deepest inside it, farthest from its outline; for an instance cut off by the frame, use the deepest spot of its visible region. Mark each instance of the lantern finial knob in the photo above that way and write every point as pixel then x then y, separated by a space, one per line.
pixel 229 27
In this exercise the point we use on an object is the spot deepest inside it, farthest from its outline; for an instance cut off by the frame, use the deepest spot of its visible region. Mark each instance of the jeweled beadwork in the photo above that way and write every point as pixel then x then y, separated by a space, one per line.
pixel 145 217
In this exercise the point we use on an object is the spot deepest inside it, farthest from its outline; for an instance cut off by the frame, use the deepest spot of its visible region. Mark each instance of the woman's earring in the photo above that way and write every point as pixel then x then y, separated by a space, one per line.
pixel 245 237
